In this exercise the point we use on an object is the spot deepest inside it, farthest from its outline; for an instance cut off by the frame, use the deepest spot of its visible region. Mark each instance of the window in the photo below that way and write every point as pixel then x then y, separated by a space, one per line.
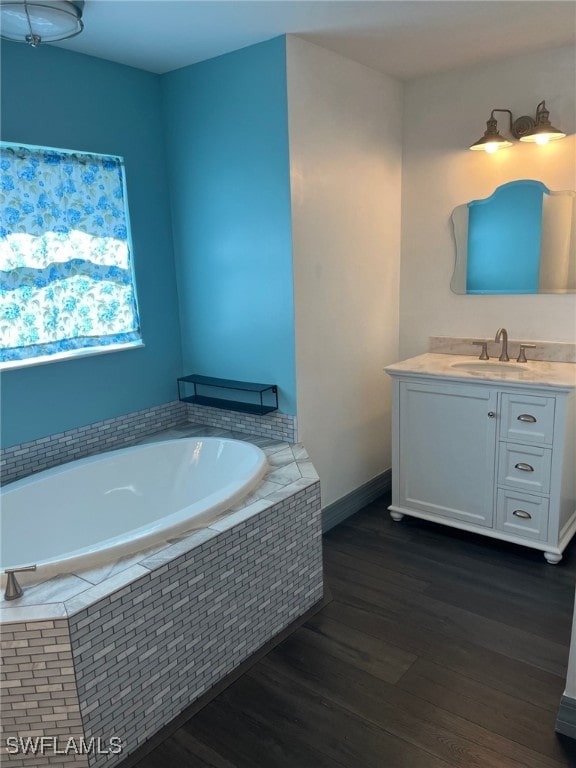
pixel 66 275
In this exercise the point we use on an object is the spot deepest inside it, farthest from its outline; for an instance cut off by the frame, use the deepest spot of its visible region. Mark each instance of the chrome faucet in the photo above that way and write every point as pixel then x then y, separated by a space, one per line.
pixel 502 334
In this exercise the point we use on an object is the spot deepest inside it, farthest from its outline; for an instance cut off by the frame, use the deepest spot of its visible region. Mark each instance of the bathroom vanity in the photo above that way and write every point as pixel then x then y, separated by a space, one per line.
pixel 487 447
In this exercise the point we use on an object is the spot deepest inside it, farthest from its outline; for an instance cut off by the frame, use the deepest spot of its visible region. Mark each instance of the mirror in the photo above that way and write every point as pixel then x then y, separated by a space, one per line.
pixel 521 239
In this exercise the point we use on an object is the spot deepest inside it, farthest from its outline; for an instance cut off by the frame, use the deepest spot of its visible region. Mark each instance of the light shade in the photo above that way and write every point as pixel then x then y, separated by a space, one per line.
pixel 543 131
pixel 45 21
pixel 492 140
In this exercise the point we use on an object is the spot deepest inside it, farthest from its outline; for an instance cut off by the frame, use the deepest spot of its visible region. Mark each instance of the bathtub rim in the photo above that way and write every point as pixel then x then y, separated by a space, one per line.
pixel 60 606
pixel 118 547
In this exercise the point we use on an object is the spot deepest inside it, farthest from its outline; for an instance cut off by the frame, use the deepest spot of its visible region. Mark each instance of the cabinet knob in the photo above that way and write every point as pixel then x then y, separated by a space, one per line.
pixel 527 417
pixel 523 514
pixel 491 415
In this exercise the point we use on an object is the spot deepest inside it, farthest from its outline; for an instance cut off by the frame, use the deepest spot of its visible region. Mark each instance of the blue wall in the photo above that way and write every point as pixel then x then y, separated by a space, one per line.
pixel 59 98
pixel 505 239
pixel 223 125
pixel 227 144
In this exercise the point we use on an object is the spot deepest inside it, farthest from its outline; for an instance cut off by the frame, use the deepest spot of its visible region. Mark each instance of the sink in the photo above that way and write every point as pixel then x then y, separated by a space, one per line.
pixel 488 367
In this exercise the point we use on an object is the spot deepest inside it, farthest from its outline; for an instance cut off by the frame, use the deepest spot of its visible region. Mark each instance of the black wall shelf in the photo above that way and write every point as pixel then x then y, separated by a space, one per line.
pixel 261 391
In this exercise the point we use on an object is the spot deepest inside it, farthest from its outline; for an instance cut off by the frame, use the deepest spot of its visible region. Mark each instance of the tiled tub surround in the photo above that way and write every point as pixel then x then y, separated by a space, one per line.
pixel 276 425
pixel 39 693
pixel 23 459
pixel 149 634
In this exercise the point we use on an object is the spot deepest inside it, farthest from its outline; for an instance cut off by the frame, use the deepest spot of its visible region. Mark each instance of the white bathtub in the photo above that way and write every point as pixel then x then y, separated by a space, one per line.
pixel 91 511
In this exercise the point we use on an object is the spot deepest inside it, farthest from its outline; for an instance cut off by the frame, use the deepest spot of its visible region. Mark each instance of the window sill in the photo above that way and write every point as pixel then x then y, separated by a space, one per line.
pixel 12 365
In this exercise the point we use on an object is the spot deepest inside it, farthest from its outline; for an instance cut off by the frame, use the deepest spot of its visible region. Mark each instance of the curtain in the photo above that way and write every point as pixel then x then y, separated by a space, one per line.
pixel 66 276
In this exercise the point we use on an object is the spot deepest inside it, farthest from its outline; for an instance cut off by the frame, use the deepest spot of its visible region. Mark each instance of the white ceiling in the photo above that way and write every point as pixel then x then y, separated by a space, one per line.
pixel 403 38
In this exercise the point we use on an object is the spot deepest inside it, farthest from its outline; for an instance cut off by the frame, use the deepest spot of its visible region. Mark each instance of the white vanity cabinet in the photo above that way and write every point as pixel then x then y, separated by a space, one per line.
pixel 488 457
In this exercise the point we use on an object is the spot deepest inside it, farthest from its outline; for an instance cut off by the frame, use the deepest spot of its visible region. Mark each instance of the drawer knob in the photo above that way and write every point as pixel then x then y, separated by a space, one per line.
pixel 527 417
pixel 522 513
pixel 524 467
pixel 491 415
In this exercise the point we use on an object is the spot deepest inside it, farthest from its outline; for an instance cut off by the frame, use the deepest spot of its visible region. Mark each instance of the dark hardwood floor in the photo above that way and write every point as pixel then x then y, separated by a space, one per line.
pixel 439 649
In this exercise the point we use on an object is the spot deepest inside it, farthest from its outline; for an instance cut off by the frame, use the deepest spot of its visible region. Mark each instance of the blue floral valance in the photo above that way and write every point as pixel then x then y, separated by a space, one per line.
pixel 66 273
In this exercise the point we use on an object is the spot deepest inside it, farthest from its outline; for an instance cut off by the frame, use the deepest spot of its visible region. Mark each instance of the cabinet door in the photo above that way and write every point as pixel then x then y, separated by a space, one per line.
pixel 447 450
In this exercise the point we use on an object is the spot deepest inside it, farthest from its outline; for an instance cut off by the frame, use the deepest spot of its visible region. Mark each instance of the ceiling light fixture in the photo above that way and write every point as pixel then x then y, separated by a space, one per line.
pixel 40 21
pixel 524 128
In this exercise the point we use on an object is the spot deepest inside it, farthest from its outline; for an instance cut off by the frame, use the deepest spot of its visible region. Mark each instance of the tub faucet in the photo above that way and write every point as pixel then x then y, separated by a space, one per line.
pixel 13 589
pixel 502 333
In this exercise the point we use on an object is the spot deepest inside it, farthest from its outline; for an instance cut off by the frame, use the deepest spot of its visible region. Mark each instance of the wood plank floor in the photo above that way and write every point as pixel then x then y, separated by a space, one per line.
pixel 440 649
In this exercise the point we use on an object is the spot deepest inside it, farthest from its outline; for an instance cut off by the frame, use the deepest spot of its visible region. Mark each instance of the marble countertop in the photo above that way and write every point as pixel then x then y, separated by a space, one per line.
pixel 534 373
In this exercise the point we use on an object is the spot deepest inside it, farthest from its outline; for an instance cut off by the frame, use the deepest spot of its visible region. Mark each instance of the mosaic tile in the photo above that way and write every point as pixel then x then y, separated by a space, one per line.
pixel 184 544
pixel 27 458
pixel 240 516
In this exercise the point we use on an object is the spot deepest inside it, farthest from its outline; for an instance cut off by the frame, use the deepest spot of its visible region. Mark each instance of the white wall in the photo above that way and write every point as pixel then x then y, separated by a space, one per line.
pixel 571 674
pixel 345 158
pixel 443 115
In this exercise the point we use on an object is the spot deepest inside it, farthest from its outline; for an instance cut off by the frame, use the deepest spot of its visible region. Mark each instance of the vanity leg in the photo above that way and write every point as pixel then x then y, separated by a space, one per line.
pixel 396 516
pixel 552 557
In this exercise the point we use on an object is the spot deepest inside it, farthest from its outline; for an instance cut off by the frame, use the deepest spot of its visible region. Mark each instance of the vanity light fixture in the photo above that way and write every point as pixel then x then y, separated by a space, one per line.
pixel 40 21
pixel 543 131
pixel 525 128
pixel 492 141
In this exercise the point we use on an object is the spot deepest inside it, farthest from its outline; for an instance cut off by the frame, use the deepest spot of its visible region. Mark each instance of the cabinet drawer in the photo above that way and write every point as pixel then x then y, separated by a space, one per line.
pixel 527 418
pixel 522 515
pixel 525 467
